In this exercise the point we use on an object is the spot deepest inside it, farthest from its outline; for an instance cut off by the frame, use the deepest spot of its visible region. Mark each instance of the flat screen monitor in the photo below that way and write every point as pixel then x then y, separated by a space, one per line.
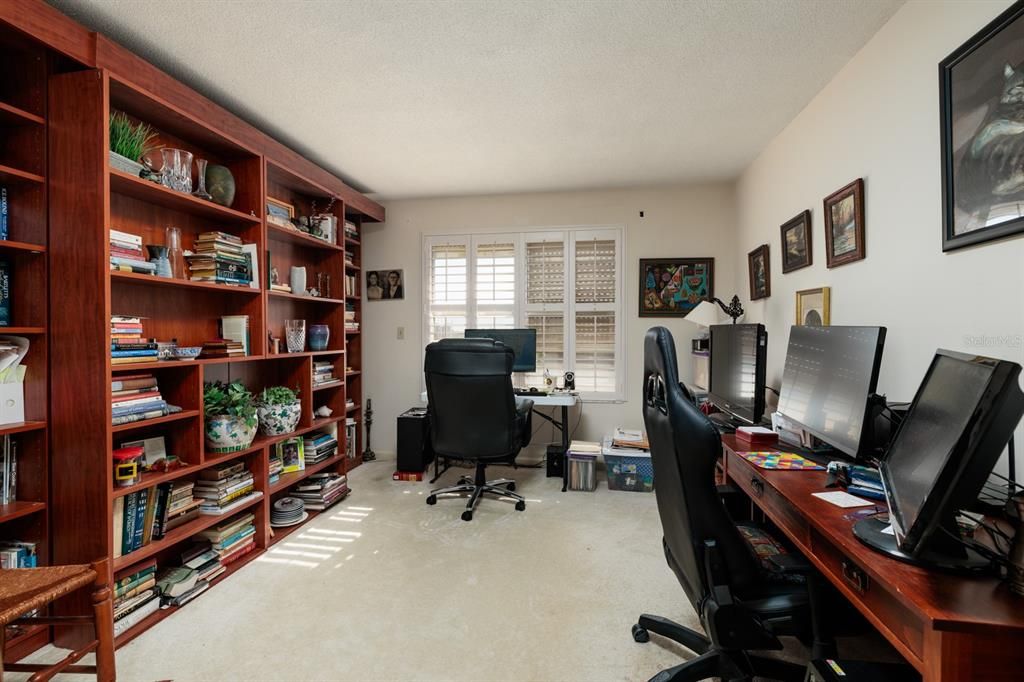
pixel 828 381
pixel 736 381
pixel 523 343
pixel 963 415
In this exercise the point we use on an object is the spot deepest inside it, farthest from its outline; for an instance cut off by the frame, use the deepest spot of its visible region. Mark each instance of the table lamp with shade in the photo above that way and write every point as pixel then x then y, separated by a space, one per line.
pixel 706 314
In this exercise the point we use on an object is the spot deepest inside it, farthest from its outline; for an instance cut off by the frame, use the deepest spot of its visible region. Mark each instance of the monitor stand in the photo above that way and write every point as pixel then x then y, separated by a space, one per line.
pixel 947 555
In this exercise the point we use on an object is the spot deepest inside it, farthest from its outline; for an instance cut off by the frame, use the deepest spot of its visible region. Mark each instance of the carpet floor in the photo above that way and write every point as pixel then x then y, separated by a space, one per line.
pixel 385 587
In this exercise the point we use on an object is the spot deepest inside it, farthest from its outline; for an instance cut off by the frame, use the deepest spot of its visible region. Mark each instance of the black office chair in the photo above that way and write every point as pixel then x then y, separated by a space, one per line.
pixel 473 414
pixel 743 584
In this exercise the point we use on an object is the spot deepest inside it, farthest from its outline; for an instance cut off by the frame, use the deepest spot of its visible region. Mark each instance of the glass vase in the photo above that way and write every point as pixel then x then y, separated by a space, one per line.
pixel 295 335
pixel 201 180
pixel 174 253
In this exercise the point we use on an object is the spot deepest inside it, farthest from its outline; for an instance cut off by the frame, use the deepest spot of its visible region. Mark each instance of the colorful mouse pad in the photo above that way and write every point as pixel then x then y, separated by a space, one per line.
pixel 781 460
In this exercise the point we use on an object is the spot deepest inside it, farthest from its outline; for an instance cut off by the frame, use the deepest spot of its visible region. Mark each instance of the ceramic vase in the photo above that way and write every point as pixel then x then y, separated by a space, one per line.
pixel 319 335
pixel 298 281
pixel 228 434
pixel 277 420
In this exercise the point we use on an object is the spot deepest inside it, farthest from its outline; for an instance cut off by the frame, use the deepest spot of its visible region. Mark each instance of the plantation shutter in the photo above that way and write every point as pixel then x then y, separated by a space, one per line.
pixel 596 313
pixel 448 285
pixel 545 303
pixel 495 274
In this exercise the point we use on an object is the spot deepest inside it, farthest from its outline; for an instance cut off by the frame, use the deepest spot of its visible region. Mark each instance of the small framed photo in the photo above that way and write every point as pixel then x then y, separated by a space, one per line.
pixel 279 209
pixel 385 285
pixel 672 287
pixel 844 225
pixel 813 307
pixel 760 272
pixel 796 243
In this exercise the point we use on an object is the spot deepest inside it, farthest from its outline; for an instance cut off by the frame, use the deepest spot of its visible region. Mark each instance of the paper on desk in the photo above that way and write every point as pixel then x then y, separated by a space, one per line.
pixel 842 499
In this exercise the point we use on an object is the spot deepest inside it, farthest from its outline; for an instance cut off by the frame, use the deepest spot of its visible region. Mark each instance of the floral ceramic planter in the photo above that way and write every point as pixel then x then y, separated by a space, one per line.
pixel 277 420
pixel 228 434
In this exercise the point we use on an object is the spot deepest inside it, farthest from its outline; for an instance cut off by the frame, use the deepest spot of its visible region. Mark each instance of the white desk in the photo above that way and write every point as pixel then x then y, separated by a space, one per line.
pixel 541 400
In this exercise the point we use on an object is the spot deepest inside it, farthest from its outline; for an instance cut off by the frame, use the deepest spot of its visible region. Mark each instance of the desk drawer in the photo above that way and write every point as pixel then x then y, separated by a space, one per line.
pixel 873 598
pixel 774 505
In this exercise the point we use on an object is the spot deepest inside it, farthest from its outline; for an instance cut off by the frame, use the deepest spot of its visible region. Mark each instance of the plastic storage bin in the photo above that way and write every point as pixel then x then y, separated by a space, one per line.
pixel 582 472
pixel 634 473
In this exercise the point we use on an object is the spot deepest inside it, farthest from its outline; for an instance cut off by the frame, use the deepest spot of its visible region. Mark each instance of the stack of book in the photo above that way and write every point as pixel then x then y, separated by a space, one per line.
pixel 276 467
pixel 17 554
pixel 136 397
pixel 350 437
pixel 179 585
pixel 864 481
pixel 232 539
pixel 351 231
pixel 127 345
pixel 628 439
pixel 349 257
pixel 318 446
pixel 225 487
pixel 219 258
pixel 9 471
pixel 135 596
pixel 222 348
pixel 323 373
pixel 320 491
pixel 151 513
pixel 236 328
pixel 126 254
pixel 351 325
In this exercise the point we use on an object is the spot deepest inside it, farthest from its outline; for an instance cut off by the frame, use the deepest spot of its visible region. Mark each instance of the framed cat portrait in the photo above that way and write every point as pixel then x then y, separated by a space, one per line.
pixel 981 101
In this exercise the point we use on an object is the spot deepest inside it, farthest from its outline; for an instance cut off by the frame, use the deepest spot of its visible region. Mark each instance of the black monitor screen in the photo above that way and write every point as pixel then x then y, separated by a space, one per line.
pixel 736 382
pixel 522 341
pixel 829 376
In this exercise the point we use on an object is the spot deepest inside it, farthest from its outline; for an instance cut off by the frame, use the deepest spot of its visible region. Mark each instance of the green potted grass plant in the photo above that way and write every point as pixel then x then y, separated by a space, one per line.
pixel 230 414
pixel 279 409
pixel 129 142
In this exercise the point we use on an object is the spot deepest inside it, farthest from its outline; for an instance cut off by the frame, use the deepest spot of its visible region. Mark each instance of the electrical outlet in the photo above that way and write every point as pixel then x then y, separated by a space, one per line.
pixel 401 333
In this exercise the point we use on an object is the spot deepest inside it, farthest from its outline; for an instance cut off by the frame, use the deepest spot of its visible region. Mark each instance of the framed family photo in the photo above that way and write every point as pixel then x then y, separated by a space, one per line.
pixel 760 272
pixel 796 242
pixel 844 225
pixel 672 287
pixel 981 104
pixel 385 285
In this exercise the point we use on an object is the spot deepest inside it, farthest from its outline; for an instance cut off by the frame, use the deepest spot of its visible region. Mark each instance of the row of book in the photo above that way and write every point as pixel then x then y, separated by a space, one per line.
pixel 219 257
pixel 17 554
pixel 320 491
pixel 351 324
pixel 351 285
pixel 350 437
pixel 136 397
pixel 351 231
pixel 127 344
pixel 323 372
pixel 126 254
pixel 149 514
pixel 8 471
pixel 276 467
pixel 3 212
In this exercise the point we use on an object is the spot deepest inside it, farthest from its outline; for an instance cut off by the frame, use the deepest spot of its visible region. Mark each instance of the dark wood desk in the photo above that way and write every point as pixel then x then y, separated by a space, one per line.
pixel 948 627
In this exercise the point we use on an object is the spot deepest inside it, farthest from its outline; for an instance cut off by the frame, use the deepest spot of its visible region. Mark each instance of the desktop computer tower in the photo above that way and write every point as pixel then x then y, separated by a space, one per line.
pixel 414 451
pixel 555 461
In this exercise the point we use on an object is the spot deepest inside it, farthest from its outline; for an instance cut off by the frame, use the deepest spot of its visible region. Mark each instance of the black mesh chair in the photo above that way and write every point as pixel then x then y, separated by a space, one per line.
pixel 474 415
pixel 745 587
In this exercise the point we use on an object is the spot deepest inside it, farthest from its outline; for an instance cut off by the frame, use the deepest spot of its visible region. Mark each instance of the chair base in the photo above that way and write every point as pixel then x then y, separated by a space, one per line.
pixel 476 488
pixel 712 661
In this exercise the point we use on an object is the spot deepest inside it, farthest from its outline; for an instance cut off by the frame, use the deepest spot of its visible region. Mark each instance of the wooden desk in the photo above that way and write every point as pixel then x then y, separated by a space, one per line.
pixel 948 627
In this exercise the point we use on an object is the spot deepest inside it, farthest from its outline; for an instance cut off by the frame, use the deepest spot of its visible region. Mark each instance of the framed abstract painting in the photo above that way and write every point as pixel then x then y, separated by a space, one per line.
pixel 672 287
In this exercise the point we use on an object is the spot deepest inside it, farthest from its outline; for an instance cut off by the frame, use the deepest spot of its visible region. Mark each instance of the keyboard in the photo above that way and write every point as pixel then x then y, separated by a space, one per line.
pixel 529 391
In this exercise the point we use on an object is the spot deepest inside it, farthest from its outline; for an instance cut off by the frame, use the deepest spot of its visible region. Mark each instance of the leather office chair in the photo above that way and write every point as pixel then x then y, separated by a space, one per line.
pixel 474 415
pixel 743 585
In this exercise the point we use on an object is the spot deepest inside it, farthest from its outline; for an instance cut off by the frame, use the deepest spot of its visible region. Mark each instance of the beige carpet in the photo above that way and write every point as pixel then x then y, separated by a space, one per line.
pixel 384 587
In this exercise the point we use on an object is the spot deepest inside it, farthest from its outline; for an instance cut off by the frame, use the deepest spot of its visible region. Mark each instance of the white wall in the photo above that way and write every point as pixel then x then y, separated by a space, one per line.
pixel 678 222
pixel 879 119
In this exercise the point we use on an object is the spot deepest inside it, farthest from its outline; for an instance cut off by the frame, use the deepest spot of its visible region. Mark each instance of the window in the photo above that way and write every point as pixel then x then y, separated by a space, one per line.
pixel 565 284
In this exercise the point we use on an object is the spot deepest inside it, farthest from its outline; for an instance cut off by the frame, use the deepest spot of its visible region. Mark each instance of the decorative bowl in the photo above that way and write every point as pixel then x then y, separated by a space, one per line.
pixel 187 352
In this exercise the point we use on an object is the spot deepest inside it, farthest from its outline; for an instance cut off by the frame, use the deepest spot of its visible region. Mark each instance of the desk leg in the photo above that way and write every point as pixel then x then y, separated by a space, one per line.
pixel 565 448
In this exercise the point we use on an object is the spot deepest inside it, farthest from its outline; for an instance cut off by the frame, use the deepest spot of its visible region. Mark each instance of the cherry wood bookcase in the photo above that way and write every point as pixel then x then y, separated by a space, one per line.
pixel 54 113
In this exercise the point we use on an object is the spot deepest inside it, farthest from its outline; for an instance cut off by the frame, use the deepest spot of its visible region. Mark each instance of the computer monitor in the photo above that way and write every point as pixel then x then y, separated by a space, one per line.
pixel 962 417
pixel 829 381
pixel 736 380
pixel 523 342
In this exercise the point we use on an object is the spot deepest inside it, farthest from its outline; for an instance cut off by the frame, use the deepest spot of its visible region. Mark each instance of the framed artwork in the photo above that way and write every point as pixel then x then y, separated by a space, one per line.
pixel 385 285
pixel 672 287
pixel 844 225
pixel 760 273
pixel 279 209
pixel 981 106
pixel 796 242
pixel 813 307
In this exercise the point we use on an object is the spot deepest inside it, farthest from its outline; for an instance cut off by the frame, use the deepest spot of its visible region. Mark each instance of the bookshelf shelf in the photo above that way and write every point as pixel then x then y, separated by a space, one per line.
pixel 21 427
pixel 146 423
pixel 11 175
pixel 179 534
pixel 156 478
pixel 23 331
pixel 329 384
pixel 21 247
pixel 150 192
pixel 353 373
pixel 153 280
pixel 352 408
pixel 352 242
pixel 12 115
pixel 305 299
pixel 278 233
pixel 18 509
pixel 352 268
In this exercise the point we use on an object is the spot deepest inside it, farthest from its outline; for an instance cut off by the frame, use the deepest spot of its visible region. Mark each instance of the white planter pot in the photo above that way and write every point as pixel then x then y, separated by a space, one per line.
pixel 228 434
pixel 124 164
pixel 277 420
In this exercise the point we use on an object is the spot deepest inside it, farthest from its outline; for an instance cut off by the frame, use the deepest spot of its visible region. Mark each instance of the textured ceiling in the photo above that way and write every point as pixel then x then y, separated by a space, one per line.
pixel 438 98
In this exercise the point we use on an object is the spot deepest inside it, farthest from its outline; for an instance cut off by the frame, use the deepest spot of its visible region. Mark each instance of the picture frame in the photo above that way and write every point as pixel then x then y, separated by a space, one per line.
pixel 672 287
pixel 814 307
pixel 760 273
pixel 279 209
pixel 844 225
pixel 797 249
pixel 981 84
pixel 385 285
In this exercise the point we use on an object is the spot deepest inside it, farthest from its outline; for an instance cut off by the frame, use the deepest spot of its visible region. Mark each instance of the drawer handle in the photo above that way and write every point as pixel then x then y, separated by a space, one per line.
pixel 758 486
pixel 855 576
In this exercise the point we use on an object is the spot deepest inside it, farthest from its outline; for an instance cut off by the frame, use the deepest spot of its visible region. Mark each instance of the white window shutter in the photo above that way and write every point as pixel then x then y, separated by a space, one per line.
pixel 495 276
pixel 447 289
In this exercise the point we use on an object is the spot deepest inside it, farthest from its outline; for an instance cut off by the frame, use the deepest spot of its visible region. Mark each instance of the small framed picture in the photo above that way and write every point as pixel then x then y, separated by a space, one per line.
pixel 760 272
pixel 796 242
pixel 385 285
pixel 279 209
pixel 813 307
pixel 844 225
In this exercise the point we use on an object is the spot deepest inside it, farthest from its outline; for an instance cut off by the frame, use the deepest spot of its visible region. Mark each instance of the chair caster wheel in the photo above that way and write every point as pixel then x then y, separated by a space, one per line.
pixel 432 499
pixel 511 487
pixel 467 516
pixel 520 506
pixel 640 634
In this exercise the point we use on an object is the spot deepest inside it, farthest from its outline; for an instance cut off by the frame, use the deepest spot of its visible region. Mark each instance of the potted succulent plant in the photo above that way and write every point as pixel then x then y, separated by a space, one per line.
pixel 129 142
pixel 230 411
pixel 279 410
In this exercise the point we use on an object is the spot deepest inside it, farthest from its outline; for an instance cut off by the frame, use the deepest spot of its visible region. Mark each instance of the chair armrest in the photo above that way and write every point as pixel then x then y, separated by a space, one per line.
pixel 524 406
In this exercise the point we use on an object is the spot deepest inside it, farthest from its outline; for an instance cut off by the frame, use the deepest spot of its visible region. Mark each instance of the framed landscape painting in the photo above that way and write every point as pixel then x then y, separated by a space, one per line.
pixel 672 287
pixel 981 102
pixel 760 273
pixel 796 243
pixel 844 225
